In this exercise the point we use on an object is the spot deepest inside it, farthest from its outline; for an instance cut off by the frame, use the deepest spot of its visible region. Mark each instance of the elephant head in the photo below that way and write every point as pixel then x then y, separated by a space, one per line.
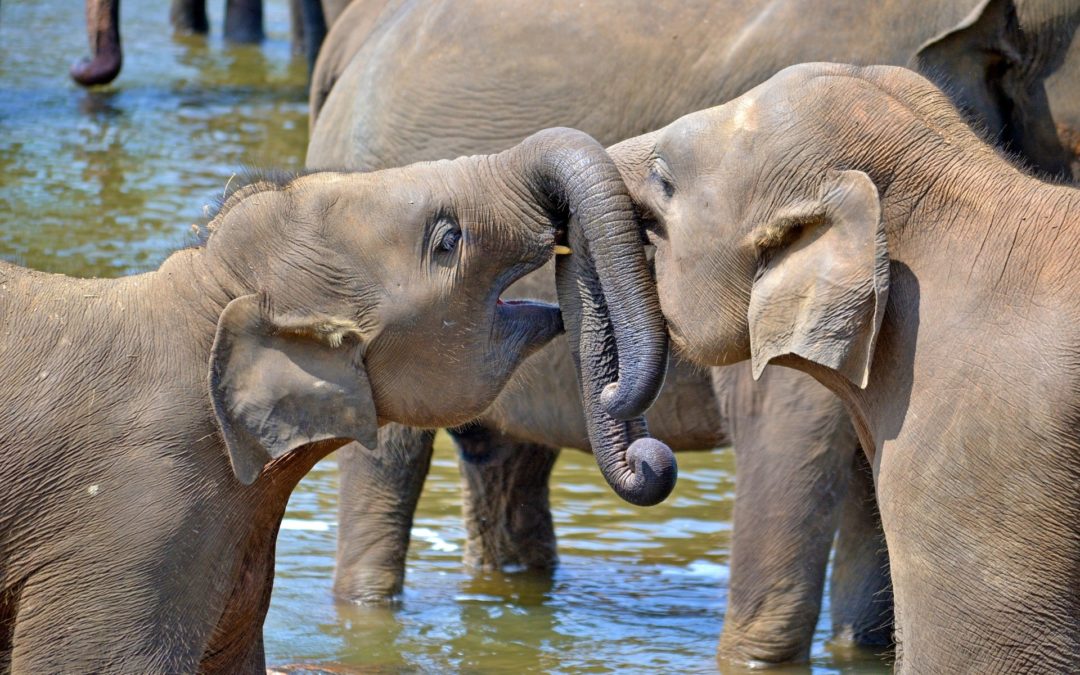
pixel 366 298
pixel 758 258
pixel 1014 65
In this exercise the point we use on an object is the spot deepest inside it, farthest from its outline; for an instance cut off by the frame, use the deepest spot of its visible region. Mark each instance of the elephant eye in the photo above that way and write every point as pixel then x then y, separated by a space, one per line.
pixel 449 240
pixel 446 236
pixel 659 175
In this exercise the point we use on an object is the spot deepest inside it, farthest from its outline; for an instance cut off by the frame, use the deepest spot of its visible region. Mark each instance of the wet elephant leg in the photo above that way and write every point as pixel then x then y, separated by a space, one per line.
pixel 861 593
pixel 189 17
pixel 244 21
pixel 507 513
pixel 106 54
pixel 378 496
pixel 793 452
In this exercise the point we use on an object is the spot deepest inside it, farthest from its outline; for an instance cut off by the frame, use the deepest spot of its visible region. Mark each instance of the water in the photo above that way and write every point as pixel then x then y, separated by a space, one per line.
pixel 108 182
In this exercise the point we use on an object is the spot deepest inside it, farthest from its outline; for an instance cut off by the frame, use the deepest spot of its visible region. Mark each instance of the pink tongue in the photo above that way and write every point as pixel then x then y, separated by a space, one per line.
pixel 499 301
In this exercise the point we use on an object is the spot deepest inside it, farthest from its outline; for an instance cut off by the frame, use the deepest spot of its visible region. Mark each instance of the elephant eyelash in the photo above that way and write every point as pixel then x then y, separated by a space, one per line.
pixel 445 236
pixel 659 174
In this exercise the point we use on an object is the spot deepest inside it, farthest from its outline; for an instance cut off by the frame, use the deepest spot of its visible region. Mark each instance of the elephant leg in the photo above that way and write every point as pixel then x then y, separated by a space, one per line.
pixel 378 496
pixel 296 27
pixel 506 508
pixel 189 17
pixel 106 55
pixel 793 451
pixel 861 591
pixel 244 21
pixel 314 25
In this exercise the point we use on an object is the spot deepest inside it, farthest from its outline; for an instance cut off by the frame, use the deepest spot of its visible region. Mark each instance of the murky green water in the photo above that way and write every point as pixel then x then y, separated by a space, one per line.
pixel 108 182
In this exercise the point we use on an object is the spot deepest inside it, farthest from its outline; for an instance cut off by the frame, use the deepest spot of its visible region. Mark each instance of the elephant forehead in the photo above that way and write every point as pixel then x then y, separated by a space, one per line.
pixel 744 114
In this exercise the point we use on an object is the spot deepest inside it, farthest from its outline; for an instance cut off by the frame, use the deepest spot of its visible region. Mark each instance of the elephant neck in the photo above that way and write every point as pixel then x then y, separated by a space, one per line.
pixel 994 229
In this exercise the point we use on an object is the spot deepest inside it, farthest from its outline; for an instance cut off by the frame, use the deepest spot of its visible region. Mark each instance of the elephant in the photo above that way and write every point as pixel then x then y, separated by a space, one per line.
pixel 846 222
pixel 153 426
pixel 399 81
pixel 243 25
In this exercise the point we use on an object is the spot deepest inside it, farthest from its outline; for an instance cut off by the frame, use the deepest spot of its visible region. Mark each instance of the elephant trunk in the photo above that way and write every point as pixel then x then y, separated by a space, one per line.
pixel 103 30
pixel 611 311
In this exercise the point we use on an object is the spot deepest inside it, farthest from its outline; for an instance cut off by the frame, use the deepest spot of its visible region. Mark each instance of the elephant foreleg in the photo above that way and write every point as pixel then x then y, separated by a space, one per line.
pixel 378 496
pixel 189 17
pixel 860 594
pixel 506 508
pixel 244 21
pixel 793 452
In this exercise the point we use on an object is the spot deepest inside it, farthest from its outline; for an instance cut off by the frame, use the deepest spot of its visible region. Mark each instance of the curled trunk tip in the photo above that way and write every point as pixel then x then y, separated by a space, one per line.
pixel 650 473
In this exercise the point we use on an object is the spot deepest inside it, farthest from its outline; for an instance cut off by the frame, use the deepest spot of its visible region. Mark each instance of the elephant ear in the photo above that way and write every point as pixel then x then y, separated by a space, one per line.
pixel 821 290
pixel 969 60
pixel 278 383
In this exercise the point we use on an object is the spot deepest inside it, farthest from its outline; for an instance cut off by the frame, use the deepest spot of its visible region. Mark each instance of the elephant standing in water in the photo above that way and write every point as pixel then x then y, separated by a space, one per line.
pixel 318 308
pixel 243 24
pixel 846 222
pixel 399 81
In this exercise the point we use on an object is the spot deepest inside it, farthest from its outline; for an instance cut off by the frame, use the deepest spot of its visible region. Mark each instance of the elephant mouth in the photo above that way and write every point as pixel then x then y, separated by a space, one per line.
pixel 521 327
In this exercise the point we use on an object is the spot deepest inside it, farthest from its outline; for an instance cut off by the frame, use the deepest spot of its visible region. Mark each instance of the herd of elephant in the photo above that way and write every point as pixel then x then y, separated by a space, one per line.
pixel 895 236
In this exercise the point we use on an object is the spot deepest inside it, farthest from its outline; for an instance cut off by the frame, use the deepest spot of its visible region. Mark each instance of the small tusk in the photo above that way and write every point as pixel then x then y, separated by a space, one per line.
pixel 562 250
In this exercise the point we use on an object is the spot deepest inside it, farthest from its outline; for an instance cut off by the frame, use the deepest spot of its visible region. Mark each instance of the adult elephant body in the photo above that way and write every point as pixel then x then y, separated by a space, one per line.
pixel 419 81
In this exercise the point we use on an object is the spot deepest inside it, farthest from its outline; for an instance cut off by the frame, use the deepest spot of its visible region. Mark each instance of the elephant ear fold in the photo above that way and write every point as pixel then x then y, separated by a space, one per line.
pixel 969 60
pixel 278 383
pixel 823 282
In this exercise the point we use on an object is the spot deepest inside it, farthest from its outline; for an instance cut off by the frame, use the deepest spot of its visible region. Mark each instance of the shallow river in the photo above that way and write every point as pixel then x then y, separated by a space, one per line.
pixel 108 183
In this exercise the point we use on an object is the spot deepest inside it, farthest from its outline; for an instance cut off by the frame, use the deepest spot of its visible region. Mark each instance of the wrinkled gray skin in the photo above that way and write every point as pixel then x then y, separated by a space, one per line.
pixel 846 222
pixel 155 425
pixel 243 25
pixel 418 81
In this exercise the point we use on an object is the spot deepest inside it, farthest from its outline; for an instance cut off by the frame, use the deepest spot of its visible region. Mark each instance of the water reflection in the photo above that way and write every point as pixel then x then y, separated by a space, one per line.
pixel 638 590
pixel 107 182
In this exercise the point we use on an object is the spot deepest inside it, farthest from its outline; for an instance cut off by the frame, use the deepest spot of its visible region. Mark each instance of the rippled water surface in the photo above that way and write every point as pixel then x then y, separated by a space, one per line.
pixel 108 182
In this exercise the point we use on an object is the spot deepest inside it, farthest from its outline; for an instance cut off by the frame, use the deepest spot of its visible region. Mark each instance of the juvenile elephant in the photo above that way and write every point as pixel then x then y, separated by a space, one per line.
pixel 847 223
pixel 319 308
pixel 400 96
pixel 400 81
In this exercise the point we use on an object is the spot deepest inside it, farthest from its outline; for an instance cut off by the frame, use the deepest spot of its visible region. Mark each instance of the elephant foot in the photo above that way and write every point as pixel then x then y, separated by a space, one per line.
pixel 370 587
pixel 98 70
pixel 762 648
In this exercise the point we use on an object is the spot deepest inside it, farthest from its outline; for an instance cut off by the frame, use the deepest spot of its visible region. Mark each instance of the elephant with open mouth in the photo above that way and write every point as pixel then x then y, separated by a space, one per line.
pixel 154 426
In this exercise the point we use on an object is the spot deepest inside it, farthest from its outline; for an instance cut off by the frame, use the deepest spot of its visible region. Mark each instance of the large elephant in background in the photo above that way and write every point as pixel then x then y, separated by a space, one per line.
pixel 400 80
pixel 243 24
pixel 846 222
pixel 154 426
